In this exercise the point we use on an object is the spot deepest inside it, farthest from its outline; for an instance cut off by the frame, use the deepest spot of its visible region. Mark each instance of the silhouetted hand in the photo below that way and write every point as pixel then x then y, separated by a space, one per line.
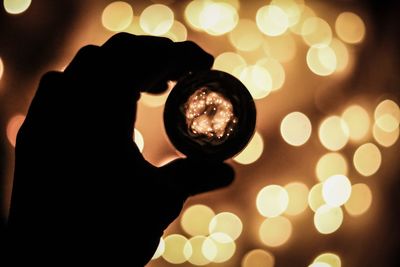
pixel 81 186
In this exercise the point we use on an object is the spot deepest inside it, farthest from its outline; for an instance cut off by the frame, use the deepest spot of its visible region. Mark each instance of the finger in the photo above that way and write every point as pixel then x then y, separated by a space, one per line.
pixel 196 176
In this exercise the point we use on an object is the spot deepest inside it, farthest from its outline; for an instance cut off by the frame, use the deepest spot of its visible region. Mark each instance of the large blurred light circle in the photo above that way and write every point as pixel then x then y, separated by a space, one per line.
pixel 298 196
pixel 252 151
pixel 306 13
pixel 196 219
pixel 331 164
pixel 177 249
pixel 384 138
pixel 387 115
pixel 367 159
pixel 319 264
pixel 229 62
pixel 360 200
pixel 177 33
pixel 117 16
pixel 13 127
pixel 272 201
pixel 228 223
pixel 276 231
pixel 219 247
pixel 192 13
pixel 296 128
pixel 272 20
pixel 16 6
pixel 329 258
pixel 197 258
pixel 246 36
pixel 357 119
pixel 321 60
pixel 342 54
pixel 282 48
pixel 316 31
pixel 333 133
pixel 328 219
pixel 315 199
pixel 156 19
pixel 258 258
pixel 218 18
pixel 275 70
pixel 350 27
pixel 257 79
pixel 292 9
pixel 336 190
pixel 138 138
pixel 160 249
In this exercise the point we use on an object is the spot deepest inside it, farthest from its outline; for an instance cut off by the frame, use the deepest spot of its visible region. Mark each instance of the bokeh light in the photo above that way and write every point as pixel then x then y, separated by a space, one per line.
pixel 319 264
pixel 350 27
pixel 272 20
pixel 219 247
pixel 218 18
pixel 331 164
pixel 296 128
pixel 306 13
pixel 246 36
pixel 197 257
pixel 177 32
pixel 367 159
pixel 272 201
pixel 275 70
pixel 316 32
pixel 275 231
pixel 230 62
pixel 342 54
pixel 257 80
pixel 329 258
pixel 328 219
pixel 298 198
pixel 13 127
pixel 177 249
pixel 360 200
pixel 358 122
pixel 258 258
pixel 321 60
pixel 195 220
pixel 384 138
pixel 192 13
pixel 292 9
pixel 333 133
pixel 156 19
pixel 117 16
pixel 139 140
pixel 282 48
pixel 16 6
pixel 387 115
pixel 252 151
pixel 315 199
pixel 160 249
pixel 228 223
pixel 336 190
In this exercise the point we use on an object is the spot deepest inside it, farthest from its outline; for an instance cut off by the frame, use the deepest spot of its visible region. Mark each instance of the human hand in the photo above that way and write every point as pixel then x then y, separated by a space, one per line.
pixel 81 186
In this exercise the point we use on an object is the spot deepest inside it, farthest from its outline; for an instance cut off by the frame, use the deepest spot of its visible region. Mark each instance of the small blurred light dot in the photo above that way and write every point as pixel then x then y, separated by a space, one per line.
pixel 177 33
pixel 229 62
pixel 197 257
pixel 223 250
pixel 384 138
pixel 257 79
pixel 306 13
pixel 139 139
pixel 331 164
pixel 357 119
pixel 350 27
pixel 282 48
pixel 13 127
pixel 316 31
pixel 196 219
pixel 321 60
pixel 177 249
pixel 387 115
pixel 298 198
pixel 246 36
pixel 275 231
pixel 296 128
pixel 272 20
pixel 218 18
pixel 117 16
pixel 156 19
pixel 333 133
pixel 16 6
pixel 336 190
pixel 272 201
pixel 328 219
pixel 342 54
pixel 329 258
pixel 1 68
pixel 160 249
pixel 228 223
pixel 275 70
pixel 252 151
pixel 315 199
pixel 360 200
pixel 258 258
pixel 319 264
pixel 367 159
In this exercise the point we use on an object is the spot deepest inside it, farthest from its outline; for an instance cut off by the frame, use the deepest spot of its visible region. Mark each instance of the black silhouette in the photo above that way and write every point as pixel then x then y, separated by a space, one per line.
pixel 82 190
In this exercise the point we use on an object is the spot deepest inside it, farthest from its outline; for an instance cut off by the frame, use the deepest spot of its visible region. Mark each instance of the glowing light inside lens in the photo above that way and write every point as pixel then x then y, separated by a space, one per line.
pixel 228 223
pixel 298 198
pixel 275 231
pixel 367 159
pixel 156 19
pixel 350 27
pixel 296 128
pixel 246 36
pixel 328 219
pixel 336 190
pixel 117 16
pixel 333 133
pixel 360 200
pixel 196 219
pixel 252 151
pixel 331 164
pixel 272 201
pixel 258 258
pixel 272 20
pixel 357 120
pixel 16 6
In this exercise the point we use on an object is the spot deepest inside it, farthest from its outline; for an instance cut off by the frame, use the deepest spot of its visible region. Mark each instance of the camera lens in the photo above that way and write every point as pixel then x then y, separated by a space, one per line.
pixel 210 115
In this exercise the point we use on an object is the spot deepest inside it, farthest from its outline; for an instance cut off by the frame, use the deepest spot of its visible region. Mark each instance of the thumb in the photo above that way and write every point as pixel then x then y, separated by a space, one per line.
pixel 192 177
